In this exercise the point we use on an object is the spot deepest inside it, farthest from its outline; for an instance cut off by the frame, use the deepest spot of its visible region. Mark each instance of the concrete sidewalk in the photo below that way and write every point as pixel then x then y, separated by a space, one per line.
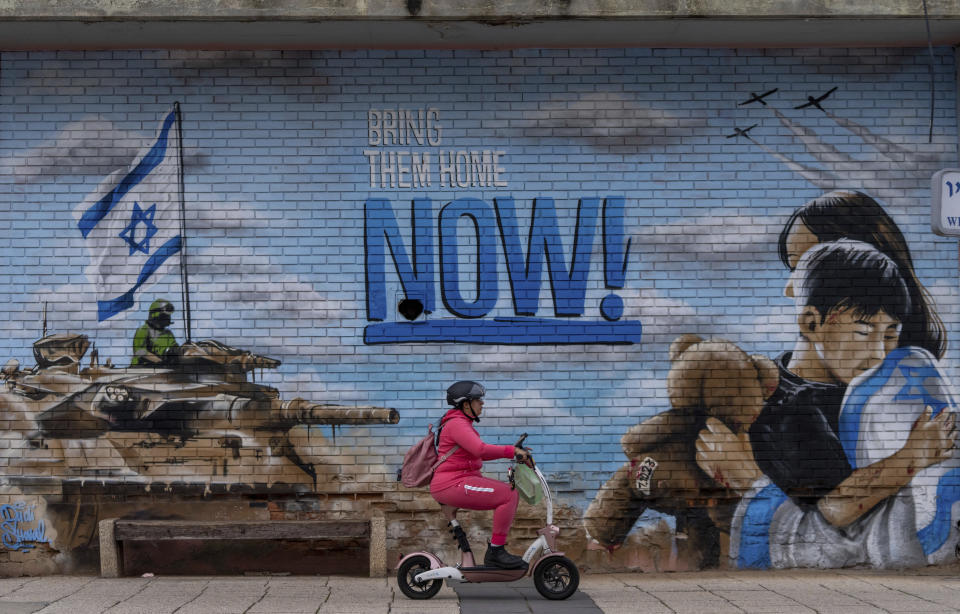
pixel 714 592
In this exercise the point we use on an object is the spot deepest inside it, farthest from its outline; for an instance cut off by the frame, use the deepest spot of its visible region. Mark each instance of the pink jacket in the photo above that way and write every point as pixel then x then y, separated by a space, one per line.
pixel 458 430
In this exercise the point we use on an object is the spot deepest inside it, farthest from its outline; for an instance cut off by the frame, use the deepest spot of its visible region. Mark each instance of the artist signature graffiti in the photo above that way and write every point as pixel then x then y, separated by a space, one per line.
pixel 13 534
pixel 645 475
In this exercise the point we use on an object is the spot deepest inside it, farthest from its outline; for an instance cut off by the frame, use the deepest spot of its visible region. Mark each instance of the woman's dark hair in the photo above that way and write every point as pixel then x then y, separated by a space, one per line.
pixel 854 215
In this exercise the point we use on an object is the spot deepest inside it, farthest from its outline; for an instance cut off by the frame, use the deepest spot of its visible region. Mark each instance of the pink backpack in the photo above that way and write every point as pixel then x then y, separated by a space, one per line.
pixel 422 459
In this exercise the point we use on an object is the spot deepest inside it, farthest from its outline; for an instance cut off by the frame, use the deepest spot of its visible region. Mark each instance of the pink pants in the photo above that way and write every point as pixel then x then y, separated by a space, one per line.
pixel 480 493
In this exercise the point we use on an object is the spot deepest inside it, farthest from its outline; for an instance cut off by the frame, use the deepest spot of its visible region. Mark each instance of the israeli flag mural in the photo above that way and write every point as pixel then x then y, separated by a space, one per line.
pixel 917 526
pixel 131 222
pixel 909 380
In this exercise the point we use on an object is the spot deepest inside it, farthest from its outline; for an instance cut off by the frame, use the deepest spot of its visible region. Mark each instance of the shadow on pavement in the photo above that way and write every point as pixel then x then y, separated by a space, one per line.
pixel 516 598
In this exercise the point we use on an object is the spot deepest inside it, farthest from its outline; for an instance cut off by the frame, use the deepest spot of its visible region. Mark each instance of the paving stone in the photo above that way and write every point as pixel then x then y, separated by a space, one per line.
pixel 518 597
pixel 695 601
pixel 8 585
pixel 761 601
pixel 160 597
pixel 48 588
pixel 779 592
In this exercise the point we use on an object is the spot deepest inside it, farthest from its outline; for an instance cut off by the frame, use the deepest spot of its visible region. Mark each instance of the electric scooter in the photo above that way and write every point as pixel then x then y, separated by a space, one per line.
pixel 420 574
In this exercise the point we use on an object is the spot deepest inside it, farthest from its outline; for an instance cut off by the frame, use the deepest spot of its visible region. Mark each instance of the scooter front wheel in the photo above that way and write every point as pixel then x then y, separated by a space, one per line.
pixel 556 578
pixel 409 586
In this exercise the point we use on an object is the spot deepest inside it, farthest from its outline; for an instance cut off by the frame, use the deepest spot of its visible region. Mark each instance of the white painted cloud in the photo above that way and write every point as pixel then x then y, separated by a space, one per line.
pixel 92 146
pixel 712 238
pixel 604 120
pixel 238 296
pixel 887 168
pixel 189 70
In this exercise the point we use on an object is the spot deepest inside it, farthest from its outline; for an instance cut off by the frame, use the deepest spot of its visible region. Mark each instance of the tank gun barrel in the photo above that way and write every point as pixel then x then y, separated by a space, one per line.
pixel 255 361
pixel 299 411
pixel 216 352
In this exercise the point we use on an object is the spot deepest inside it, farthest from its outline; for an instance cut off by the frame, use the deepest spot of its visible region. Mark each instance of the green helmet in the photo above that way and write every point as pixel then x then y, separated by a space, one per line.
pixel 160 307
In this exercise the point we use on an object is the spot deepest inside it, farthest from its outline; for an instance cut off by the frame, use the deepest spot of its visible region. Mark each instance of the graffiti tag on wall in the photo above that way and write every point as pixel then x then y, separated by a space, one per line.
pixel 16 531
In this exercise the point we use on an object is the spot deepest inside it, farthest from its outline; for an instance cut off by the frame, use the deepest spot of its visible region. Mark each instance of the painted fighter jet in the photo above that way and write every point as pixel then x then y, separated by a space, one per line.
pixel 741 132
pixel 754 97
pixel 815 102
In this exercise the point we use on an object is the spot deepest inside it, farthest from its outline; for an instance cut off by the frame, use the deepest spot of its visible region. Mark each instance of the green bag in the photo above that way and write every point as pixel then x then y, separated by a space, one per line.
pixel 527 483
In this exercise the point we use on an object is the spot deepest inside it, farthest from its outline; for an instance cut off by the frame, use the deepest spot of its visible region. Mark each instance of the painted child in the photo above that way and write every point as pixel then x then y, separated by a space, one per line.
pixel 811 507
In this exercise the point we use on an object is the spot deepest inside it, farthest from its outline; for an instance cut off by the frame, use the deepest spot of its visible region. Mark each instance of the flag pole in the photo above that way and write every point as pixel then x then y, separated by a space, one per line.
pixel 184 281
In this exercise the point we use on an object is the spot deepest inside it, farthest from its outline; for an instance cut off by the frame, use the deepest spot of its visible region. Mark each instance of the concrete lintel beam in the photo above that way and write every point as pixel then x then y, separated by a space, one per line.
pixel 470 10
pixel 421 34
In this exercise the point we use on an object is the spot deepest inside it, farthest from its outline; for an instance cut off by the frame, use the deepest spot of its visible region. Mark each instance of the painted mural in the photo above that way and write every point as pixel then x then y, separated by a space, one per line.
pixel 703 281
pixel 843 451
pixel 198 413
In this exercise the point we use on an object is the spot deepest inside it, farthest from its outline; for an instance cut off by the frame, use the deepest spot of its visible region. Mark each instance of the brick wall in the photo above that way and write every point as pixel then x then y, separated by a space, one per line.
pixel 562 216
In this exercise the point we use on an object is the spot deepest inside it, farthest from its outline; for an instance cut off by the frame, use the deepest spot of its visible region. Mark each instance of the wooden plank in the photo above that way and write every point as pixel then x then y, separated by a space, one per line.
pixel 140 530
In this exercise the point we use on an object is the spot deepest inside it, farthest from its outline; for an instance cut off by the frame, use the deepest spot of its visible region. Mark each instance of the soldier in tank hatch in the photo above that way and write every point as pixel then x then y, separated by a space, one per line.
pixel 154 344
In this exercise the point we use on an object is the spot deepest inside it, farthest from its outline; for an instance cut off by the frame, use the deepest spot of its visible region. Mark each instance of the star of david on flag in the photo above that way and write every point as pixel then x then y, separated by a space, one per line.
pixel 129 233
pixel 131 222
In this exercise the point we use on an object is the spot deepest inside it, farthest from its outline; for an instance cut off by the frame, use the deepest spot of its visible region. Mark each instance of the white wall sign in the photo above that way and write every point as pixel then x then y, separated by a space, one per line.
pixel 945 207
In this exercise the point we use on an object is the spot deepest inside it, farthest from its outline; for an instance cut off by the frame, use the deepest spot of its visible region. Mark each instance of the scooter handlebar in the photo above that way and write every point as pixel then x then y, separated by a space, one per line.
pixel 529 459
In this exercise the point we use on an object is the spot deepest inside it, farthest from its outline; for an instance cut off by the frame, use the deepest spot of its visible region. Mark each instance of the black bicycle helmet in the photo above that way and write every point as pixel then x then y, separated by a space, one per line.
pixel 464 391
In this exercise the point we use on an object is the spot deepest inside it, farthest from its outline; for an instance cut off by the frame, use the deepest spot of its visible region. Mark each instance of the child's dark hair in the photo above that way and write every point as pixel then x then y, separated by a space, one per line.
pixel 848 214
pixel 854 275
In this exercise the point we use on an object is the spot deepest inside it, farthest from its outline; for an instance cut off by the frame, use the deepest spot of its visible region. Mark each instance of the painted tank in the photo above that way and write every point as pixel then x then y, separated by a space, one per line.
pixel 200 418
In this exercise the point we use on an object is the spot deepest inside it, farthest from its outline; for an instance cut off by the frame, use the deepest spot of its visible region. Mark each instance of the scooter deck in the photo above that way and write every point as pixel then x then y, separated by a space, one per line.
pixel 484 573
pixel 492 568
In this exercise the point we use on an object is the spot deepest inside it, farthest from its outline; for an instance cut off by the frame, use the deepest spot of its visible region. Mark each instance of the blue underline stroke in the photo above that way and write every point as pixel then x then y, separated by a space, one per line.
pixel 505 331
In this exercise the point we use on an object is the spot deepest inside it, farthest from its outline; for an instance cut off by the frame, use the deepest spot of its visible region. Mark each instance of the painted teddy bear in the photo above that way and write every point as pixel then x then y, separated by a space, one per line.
pixel 709 380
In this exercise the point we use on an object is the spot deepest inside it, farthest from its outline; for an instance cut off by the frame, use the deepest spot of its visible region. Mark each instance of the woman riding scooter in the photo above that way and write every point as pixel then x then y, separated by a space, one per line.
pixel 458 483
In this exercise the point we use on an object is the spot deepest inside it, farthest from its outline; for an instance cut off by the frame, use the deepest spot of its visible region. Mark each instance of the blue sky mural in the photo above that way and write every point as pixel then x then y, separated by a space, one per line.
pixel 276 181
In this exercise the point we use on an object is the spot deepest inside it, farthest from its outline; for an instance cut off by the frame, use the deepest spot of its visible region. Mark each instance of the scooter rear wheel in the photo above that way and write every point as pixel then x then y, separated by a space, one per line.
pixel 409 586
pixel 556 578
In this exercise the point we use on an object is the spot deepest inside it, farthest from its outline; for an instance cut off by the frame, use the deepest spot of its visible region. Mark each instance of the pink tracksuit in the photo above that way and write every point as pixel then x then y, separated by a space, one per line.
pixel 458 481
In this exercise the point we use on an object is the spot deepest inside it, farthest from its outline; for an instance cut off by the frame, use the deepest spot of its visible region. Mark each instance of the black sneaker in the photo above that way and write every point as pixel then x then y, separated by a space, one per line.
pixel 497 556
